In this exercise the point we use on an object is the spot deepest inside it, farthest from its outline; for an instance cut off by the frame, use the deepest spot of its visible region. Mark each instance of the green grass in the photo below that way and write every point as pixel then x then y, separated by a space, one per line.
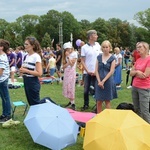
pixel 18 137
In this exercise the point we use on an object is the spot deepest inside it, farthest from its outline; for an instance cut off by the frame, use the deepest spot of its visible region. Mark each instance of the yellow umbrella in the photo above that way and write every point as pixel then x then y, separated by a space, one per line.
pixel 117 130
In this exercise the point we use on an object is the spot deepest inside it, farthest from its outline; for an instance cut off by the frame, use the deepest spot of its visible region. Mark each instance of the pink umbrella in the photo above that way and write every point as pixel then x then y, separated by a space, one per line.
pixel 81 116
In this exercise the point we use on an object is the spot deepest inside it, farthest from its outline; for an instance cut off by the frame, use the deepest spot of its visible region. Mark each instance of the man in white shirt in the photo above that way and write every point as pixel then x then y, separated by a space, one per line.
pixel 89 53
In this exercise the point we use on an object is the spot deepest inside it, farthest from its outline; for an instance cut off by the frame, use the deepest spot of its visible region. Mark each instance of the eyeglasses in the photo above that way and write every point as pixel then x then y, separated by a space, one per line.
pixel 138 47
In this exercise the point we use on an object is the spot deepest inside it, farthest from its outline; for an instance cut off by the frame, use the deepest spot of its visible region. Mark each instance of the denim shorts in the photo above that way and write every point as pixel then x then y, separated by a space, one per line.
pixel 52 71
pixel 126 60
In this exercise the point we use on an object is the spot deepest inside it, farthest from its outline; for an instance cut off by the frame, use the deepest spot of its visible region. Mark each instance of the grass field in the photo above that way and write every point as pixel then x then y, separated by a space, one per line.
pixel 18 137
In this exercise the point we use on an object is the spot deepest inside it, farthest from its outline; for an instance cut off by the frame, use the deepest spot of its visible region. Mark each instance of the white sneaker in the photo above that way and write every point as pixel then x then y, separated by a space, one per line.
pixel 10 123
pixel 129 87
pixel 118 86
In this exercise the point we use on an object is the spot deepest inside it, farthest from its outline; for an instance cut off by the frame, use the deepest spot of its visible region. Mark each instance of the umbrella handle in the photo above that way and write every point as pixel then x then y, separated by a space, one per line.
pixel 149 106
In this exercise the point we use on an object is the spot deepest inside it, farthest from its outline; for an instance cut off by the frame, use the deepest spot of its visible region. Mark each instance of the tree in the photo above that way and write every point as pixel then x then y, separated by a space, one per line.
pixel 143 18
pixel 13 32
pixel 85 25
pixel 3 24
pixel 27 25
pixel 49 23
pixel 142 35
pixel 46 41
pixel 70 25
pixel 119 33
pixel 102 28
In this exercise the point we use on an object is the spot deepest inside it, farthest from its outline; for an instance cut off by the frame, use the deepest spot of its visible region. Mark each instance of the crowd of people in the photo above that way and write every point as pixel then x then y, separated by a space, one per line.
pixel 99 66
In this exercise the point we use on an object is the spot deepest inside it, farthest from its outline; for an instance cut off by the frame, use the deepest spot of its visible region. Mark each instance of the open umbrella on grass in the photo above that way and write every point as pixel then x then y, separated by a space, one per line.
pixel 117 130
pixel 51 126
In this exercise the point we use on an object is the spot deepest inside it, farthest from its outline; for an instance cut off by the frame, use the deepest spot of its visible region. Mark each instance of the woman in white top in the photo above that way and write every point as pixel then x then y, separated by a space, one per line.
pixel 118 67
pixel 31 70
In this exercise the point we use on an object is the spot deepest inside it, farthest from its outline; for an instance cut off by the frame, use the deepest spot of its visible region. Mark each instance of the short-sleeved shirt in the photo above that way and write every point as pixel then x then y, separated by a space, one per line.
pixel 141 64
pixel 73 55
pixel 19 55
pixel 122 52
pixel 90 52
pixel 30 62
pixel 11 56
pixel 59 53
pixel 4 64
pixel 52 62
pixel 127 53
pixel 117 56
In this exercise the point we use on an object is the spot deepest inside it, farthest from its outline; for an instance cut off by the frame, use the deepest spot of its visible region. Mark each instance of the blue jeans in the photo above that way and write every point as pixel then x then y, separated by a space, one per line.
pixel 88 81
pixel 4 94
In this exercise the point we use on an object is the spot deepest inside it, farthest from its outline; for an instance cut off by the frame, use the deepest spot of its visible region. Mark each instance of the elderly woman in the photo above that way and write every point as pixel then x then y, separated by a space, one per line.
pixel 141 82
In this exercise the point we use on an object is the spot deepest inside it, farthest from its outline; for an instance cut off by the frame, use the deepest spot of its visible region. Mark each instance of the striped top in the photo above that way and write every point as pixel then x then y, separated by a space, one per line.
pixel 4 64
pixel 30 63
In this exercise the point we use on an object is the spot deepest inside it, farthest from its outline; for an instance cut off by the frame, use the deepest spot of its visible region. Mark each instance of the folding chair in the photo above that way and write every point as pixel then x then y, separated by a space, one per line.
pixel 17 104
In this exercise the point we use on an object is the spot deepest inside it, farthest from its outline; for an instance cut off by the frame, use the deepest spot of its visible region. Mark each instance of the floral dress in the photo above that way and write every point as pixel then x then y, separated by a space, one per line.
pixel 69 79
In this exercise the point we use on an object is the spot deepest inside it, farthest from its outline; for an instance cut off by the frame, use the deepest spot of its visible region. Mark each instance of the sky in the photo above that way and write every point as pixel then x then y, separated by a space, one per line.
pixel 90 10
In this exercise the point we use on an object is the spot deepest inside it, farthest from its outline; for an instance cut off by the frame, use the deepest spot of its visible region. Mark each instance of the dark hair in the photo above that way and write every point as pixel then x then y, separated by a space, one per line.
pixel 36 45
pixel 64 56
pixel 5 44
pixel 59 45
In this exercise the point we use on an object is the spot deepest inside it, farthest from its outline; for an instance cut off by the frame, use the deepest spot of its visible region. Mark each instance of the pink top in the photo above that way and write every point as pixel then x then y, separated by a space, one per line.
pixel 141 64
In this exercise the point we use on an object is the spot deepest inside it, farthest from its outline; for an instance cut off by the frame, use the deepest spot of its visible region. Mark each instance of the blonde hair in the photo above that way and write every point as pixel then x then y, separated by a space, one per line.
pixel 106 42
pixel 116 49
pixel 145 45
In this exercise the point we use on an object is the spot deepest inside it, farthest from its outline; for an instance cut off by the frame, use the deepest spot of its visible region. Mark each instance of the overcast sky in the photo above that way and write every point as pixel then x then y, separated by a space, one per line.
pixel 90 10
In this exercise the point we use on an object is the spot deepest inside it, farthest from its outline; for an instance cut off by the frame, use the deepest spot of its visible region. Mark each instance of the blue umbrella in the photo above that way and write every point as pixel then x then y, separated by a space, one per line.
pixel 51 126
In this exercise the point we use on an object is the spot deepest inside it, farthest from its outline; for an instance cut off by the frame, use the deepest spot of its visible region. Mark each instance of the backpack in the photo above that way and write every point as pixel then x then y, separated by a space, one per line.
pixel 125 106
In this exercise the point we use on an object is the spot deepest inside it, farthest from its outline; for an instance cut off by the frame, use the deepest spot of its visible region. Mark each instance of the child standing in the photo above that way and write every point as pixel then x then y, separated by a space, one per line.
pixel 69 66
pixel 51 65
pixel 4 75
pixel 105 88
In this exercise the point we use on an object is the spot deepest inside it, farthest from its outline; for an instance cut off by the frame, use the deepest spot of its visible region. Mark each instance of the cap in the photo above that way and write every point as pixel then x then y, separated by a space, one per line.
pixel 67 45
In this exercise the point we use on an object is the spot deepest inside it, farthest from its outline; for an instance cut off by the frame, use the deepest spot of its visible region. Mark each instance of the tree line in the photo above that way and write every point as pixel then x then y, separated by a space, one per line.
pixel 46 27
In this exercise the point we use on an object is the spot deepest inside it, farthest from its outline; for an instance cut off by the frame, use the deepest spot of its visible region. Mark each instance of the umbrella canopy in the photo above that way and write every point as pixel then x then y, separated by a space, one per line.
pixel 51 126
pixel 81 116
pixel 117 130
